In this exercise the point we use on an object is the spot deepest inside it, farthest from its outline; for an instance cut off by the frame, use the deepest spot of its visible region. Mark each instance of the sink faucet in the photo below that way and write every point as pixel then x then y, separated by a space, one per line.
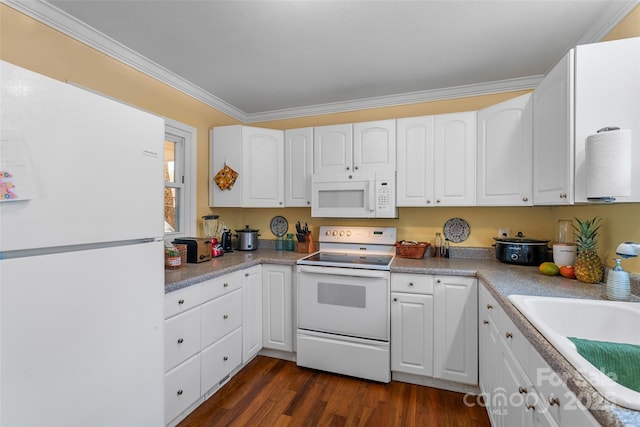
pixel 628 249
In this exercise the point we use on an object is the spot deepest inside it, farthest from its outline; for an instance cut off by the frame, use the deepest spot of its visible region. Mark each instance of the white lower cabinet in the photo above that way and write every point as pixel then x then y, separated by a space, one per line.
pixel 434 326
pixel 518 386
pixel 277 307
pixel 251 312
pixel 455 342
pixel 220 358
pixel 181 388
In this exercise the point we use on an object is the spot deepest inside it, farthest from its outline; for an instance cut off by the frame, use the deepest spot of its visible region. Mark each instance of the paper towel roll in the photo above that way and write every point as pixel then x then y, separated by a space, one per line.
pixel 608 164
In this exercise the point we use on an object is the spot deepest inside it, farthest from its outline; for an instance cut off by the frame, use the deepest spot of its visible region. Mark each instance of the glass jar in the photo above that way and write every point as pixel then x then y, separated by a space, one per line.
pixel 279 244
pixel 289 243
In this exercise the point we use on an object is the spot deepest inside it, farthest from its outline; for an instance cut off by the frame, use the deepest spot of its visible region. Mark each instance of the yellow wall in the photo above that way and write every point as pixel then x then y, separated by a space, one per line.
pixel 30 44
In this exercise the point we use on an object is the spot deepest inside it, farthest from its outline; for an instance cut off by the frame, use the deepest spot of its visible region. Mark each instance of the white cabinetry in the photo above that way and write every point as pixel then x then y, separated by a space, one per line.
pixel 257 155
pixel 361 147
pixel 455 159
pixel 412 324
pixel 251 312
pixel 277 307
pixel 553 149
pixel 518 386
pixel 456 329
pixel 298 166
pixel 607 94
pixel 415 161
pixel 504 154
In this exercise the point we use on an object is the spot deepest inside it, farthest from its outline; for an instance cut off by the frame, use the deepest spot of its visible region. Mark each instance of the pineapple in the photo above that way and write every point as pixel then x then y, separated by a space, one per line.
pixel 588 267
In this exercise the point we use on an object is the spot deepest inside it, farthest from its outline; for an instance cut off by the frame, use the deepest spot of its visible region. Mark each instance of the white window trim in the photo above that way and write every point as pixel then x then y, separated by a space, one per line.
pixel 190 135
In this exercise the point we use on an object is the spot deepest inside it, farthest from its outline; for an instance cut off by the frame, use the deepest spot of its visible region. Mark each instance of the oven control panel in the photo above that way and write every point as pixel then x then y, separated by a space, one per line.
pixel 363 235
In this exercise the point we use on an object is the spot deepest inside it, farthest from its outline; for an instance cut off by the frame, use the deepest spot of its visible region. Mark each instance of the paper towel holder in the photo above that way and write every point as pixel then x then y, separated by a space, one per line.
pixel 604 199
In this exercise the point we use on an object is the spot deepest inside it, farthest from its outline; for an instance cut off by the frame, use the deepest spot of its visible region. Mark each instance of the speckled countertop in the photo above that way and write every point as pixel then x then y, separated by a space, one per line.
pixel 500 279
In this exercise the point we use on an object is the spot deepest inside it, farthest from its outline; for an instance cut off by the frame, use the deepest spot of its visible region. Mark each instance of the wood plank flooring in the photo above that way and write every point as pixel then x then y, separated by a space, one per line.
pixel 274 392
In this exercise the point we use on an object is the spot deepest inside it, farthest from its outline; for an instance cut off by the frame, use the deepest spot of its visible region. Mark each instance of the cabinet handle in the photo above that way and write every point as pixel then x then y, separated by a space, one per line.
pixel 563 195
pixel 280 203
pixel 179 393
pixel 489 307
pixel 428 202
pixel 395 299
pixel 531 406
pixel 438 281
pixel 226 285
pixel 525 199
pixel 508 335
pixel 180 340
pixel 246 274
pixel 410 283
pixel 225 358
pixel 554 401
pixel 226 316
pixel 347 167
pixel 486 322
pixel 355 168
pixel 437 200
pixel 308 202
pixel 181 302
pixel 522 390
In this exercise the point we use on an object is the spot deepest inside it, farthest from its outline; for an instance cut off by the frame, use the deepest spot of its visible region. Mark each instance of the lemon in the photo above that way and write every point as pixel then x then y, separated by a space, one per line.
pixel 549 268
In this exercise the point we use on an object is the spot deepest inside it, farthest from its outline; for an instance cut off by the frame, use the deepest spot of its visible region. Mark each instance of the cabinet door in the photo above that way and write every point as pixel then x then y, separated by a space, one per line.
pixel 226 148
pixel 517 392
pixel 412 333
pixel 333 148
pixel 277 307
pixel 181 388
pixel 553 148
pixel 415 161
pixel 220 359
pixel 374 146
pixel 607 93
pixel 455 159
pixel 251 312
pixel 456 329
pixel 263 167
pixel 505 153
pixel 298 166
pixel 181 337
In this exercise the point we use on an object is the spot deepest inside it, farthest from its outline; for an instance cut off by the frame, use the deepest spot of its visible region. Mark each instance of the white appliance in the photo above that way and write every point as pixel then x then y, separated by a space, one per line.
pixel 343 302
pixel 81 257
pixel 354 195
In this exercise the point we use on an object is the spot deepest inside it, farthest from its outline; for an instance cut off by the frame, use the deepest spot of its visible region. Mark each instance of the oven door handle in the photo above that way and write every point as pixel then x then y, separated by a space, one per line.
pixel 353 272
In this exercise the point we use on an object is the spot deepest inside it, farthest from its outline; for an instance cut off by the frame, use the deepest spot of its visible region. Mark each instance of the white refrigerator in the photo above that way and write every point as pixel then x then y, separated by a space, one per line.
pixel 81 257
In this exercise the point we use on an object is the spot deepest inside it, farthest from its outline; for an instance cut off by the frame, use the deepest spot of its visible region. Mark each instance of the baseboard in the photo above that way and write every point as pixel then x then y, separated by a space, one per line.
pixel 435 383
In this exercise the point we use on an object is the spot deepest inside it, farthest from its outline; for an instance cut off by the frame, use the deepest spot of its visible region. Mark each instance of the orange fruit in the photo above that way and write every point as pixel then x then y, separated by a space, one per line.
pixel 568 271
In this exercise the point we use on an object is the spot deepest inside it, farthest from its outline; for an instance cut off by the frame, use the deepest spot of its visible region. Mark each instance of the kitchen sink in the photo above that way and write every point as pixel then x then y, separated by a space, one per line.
pixel 612 321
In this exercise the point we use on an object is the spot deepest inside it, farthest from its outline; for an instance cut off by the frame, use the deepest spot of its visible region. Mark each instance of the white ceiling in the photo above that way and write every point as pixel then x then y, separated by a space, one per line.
pixel 260 60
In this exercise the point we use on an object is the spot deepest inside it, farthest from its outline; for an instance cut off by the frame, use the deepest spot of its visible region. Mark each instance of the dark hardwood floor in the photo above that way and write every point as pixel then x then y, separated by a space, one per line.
pixel 274 392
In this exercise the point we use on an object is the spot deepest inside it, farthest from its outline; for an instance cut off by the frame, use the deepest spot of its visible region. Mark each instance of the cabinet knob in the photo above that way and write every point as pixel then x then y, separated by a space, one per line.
pixel 179 393
pixel 525 199
pixel 355 168
pixel 522 390
pixel 563 195
pixel 180 340
pixel 410 283
pixel 395 299
pixel 225 358
pixel 508 335
pixel 280 203
pixel 428 202
pixel 226 285
pixel 554 401
pixel 308 202
pixel 438 281
pixel 246 274
pixel 486 322
pixel 347 168
pixel 489 307
pixel 181 302
pixel 437 200
pixel 226 316
pixel 531 406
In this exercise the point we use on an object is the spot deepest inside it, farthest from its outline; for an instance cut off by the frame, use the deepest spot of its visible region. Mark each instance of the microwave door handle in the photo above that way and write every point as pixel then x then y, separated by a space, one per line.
pixel 372 196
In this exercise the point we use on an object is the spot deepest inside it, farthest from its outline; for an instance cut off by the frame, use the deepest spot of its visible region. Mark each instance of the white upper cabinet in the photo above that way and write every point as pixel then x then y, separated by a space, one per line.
pixel 455 159
pixel 607 94
pixel 361 147
pixel 332 148
pixel 298 166
pixel 553 136
pixel 415 161
pixel 504 174
pixel 257 155
pixel 374 146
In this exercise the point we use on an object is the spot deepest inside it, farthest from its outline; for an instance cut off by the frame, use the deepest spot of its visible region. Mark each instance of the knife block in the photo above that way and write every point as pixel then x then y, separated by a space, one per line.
pixel 308 246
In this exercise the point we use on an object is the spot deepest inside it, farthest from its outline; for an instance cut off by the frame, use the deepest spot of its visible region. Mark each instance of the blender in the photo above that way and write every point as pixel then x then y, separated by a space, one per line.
pixel 212 227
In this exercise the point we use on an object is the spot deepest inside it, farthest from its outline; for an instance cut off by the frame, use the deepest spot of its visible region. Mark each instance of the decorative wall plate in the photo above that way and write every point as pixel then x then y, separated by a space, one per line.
pixel 279 226
pixel 456 230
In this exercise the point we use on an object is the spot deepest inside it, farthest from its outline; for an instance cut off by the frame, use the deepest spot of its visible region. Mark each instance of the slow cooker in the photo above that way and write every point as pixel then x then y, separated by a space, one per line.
pixel 521 250
pixel 247 239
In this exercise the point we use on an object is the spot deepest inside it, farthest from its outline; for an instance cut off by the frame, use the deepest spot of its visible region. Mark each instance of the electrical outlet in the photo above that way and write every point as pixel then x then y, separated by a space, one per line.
pixel 504 232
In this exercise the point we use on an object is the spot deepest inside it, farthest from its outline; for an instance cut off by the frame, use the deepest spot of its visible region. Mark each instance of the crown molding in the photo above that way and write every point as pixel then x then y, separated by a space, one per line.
pixel 67 24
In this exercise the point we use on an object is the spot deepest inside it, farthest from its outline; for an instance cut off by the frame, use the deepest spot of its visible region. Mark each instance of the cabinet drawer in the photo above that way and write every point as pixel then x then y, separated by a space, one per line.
pixel 221 285
pixel 182 300
pixel 488 307
pixel 221 316
pixel 412 283
pixel 181 337
pixel 181 388
pixel 220 358
pixel 514 339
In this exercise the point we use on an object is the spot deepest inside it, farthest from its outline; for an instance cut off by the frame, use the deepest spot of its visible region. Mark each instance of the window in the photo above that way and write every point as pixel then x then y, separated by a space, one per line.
pixel 179 179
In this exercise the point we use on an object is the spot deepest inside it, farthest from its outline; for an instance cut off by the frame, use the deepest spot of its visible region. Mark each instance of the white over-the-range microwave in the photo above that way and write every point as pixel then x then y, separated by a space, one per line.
pixel 354 195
